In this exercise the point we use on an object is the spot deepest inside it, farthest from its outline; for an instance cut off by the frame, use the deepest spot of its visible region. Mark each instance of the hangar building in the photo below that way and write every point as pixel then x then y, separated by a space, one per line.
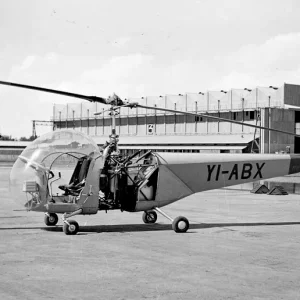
pixel 275 107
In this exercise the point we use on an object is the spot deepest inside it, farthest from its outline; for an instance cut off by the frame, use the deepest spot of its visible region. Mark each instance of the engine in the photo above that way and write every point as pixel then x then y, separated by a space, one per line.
pixel 126 180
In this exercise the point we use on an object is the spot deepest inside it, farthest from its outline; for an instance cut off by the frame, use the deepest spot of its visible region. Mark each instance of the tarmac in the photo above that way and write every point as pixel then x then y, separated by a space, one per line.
pixel 239 246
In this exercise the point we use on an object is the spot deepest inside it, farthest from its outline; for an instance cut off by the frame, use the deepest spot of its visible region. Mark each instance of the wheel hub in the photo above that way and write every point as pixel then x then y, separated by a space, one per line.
pixel 72 227
pixel 181 225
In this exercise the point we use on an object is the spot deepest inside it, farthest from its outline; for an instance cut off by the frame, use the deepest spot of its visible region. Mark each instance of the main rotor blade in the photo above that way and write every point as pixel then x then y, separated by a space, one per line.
pixel 31 87
pixel 214 118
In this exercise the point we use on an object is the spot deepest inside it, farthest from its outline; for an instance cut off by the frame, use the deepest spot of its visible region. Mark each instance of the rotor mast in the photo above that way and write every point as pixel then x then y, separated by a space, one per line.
pixel 114 138
pixel 111 146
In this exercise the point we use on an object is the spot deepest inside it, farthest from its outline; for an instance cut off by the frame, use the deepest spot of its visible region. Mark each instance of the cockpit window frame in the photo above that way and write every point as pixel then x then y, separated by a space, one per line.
pixel 64 153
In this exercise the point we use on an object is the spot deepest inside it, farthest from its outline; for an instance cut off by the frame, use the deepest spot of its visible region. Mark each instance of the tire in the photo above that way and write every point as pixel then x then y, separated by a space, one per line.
pixel 72 228
pixel 149 217
pixel 51 219
pixel 180 224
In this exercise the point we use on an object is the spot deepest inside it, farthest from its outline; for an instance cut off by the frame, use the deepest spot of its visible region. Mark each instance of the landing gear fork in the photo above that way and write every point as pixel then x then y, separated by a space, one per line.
pixel 71 227
pixel 50 219
pixel 179 224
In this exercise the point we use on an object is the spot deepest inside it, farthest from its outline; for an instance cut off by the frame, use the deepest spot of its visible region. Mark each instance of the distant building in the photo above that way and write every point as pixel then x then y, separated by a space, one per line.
pixel 149 129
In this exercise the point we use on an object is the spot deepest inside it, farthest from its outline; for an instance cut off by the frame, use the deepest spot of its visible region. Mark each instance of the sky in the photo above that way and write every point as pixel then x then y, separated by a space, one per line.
pixel 139 48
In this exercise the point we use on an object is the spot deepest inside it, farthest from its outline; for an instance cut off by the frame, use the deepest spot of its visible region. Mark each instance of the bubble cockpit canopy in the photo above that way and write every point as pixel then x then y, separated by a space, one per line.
pixel 54 150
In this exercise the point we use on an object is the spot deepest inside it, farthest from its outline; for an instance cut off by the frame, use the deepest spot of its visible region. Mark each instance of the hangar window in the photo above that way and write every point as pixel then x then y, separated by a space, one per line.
pixel 198 119
pixel 252 115
pixel 297 116
pixel 234 115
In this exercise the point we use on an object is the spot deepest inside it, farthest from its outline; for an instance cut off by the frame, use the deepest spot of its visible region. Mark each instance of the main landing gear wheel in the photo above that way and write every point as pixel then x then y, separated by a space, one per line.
pixel 70 227
pixel 51 219
pixel 149 217
pixel 180 224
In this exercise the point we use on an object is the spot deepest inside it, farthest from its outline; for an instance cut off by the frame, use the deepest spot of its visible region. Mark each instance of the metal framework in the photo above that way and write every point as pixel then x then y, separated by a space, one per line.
pixel 40 123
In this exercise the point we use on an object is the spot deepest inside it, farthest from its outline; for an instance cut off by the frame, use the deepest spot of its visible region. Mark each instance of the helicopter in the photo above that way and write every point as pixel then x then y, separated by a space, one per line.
pixel 65 172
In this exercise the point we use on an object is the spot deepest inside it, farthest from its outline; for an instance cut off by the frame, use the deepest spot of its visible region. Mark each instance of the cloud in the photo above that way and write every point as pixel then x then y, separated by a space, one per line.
pixel 52 57
pixel 281 51
pixel 272 62
pixel 27 63
pixel 119 67
pixel 137 75
pixel 121 41
pixel 121 74
pixel 32 66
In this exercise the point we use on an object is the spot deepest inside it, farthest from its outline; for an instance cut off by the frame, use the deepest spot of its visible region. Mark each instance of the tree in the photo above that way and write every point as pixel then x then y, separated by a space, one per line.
pixel 6 138
pixel 24 139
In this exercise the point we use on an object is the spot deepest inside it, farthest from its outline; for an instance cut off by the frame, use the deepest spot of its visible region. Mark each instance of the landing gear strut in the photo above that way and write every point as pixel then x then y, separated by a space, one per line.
pixel 179 224
pixel 50 219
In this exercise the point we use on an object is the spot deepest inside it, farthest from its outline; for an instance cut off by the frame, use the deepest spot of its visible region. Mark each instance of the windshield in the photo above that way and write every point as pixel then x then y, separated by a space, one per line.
pixel 58 151
pixel 61 141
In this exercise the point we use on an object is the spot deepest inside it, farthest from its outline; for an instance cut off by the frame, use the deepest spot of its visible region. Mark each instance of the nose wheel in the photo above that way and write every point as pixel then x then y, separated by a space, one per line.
pixel 50 219
pixel 149 216
pixel 70 227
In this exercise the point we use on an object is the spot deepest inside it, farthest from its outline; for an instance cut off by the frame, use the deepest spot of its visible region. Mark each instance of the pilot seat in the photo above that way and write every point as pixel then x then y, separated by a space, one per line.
pixel 78 178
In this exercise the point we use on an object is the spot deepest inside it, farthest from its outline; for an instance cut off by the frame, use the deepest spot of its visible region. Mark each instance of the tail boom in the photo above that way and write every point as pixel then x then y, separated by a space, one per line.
pixel 201 172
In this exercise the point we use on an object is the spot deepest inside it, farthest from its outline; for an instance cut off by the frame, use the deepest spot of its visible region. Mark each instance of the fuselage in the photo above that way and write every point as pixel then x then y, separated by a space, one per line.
pixel 167 178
